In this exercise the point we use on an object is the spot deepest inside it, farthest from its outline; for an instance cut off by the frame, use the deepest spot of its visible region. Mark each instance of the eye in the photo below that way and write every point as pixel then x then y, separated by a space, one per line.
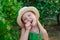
pixel 28 15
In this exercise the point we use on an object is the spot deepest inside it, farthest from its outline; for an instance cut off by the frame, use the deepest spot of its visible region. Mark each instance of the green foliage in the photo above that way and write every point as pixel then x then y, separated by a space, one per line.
pixel 8 15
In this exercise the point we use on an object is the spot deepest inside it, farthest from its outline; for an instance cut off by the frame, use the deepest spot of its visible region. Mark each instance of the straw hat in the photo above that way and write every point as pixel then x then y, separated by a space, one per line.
pixel 24 10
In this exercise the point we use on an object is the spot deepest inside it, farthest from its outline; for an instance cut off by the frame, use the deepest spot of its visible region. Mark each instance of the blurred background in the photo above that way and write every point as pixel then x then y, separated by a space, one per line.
pixel 49 17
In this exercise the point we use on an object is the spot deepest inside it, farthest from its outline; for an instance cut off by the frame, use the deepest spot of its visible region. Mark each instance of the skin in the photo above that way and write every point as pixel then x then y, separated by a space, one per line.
pixel 31 24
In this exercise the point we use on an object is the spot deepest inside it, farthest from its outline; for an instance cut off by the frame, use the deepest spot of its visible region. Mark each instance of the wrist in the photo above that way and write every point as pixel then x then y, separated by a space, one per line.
pixel 27 31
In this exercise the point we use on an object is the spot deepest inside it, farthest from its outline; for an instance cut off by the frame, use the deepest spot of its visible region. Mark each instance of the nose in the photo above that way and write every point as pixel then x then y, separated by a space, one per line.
pixel 29 19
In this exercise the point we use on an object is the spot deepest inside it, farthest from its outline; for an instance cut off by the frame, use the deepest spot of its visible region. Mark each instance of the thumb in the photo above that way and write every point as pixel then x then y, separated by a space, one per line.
pixel 27 24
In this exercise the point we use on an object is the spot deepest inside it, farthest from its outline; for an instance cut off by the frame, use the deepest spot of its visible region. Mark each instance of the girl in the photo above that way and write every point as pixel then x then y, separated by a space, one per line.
pixel 31 29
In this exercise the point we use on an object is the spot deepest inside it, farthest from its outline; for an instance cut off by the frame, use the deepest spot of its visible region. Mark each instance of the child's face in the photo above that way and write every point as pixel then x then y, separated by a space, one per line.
pixel 29 17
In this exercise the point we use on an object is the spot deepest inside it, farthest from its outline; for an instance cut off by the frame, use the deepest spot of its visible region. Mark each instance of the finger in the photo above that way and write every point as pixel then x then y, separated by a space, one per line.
pixel 27 24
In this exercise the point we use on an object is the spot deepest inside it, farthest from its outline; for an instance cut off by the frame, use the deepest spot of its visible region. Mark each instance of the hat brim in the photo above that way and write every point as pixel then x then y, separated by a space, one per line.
pixel 24 10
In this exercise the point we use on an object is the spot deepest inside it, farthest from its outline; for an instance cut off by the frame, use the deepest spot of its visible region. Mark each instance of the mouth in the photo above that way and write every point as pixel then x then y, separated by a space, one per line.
pixel 31 21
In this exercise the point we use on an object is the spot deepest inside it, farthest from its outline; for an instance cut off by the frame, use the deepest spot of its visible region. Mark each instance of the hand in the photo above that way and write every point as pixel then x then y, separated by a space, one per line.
pixel 28 26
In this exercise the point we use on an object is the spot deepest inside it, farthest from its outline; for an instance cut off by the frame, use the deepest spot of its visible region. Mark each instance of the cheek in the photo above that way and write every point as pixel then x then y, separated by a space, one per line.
pixel 34 18
pixel 34 21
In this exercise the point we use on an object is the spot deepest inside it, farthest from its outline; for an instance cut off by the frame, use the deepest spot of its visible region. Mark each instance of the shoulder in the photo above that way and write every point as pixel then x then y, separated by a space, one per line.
pixel 44 31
